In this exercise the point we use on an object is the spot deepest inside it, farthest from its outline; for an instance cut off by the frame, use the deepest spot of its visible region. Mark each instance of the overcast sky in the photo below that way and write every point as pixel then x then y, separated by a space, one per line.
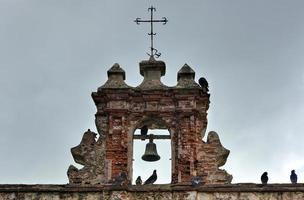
pixel 54 53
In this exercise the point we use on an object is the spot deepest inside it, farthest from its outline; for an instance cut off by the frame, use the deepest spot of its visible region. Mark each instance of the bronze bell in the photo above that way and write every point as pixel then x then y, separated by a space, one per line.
pixel 150 152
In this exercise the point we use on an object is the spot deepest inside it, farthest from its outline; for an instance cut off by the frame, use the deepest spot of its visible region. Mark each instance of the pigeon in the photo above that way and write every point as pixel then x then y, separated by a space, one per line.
pixel 121 179
pixel 264 178
pixel 144 130
pixel 293 177
pixel 204 84
pixel 138 181
pixel 196 180
pixel 151 179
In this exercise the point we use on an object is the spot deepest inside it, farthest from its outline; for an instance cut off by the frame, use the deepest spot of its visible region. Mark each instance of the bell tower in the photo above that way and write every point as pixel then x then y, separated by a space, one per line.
pixel 122 109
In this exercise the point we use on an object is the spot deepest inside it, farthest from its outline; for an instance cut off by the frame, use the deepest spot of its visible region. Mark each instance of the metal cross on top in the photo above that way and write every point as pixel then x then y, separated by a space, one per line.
pixel 164 20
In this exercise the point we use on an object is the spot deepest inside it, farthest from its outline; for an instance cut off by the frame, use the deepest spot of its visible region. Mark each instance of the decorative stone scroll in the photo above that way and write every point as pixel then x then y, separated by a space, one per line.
pixel 91 154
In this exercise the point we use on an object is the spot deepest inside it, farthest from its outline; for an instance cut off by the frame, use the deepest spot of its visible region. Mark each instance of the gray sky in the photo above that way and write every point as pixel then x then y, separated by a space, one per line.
pixel 54 53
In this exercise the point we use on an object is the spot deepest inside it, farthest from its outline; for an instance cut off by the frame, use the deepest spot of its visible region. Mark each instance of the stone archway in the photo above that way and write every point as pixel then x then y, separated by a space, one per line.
pixel 153 122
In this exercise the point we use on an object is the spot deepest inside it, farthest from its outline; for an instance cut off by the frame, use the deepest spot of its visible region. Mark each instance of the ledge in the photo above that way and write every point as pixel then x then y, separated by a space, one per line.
pixel 242 187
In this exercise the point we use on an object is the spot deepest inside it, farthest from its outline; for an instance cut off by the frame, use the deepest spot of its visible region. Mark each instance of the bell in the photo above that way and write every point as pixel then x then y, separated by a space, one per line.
pixel 150 152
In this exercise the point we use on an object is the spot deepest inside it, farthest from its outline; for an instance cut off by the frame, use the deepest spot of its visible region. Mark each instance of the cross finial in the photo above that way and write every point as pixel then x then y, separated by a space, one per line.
pixel 154 52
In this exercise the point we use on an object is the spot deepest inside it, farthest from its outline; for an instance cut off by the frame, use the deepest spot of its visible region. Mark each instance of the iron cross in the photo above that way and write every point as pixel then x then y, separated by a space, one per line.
pixel 164 20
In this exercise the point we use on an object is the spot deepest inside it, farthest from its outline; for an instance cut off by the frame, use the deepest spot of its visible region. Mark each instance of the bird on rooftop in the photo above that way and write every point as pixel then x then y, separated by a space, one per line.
pixel 151 179
pixel 196 180
pixel 204 84
pixel 293 177
pixel 264 178
pixel 144 130
pixel 121 179
pixel 138 181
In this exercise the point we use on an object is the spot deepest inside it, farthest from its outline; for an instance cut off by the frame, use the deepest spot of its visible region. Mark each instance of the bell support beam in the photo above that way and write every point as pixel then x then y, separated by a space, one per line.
pixel 154 137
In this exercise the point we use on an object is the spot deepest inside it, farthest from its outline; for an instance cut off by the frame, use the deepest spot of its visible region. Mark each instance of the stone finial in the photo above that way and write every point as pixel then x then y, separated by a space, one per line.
pixel 117 70
pixel 186 72
pixel 116 77
pixel 152 70
pixel 185 77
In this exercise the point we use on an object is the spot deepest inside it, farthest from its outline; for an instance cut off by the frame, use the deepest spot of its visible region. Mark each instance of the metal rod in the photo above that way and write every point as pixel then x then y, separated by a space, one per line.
pixel 161 20
pixel 152 29
pixel 154 137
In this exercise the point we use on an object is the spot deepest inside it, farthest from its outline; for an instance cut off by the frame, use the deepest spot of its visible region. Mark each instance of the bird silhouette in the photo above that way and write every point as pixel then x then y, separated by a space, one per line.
pixel 293 177
pixel 151 179
pixel 138 181
pixel 144 130
pixel 264 178
pixel 204 84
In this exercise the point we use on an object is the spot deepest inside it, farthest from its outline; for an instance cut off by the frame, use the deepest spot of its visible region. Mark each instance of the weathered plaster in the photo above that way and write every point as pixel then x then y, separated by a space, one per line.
pixel 154 192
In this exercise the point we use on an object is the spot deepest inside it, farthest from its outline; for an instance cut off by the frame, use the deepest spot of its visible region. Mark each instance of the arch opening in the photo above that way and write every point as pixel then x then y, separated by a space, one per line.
pixel 163 166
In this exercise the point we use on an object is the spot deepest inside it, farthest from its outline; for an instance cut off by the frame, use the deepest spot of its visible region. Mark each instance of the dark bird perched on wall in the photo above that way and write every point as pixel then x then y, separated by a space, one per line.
pixel 293 177
pixel 196 180
pixel 121 179
pixel 138 181
pixel 264 178
pixel 144 130
pixel 151 179
pixel 204 84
